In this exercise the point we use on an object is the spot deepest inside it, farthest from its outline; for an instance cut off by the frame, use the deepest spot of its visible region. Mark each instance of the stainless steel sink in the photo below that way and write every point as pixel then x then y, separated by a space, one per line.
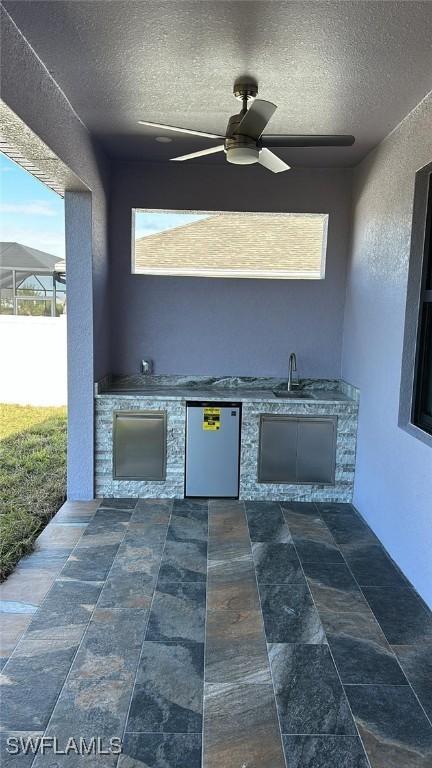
pixel 293 394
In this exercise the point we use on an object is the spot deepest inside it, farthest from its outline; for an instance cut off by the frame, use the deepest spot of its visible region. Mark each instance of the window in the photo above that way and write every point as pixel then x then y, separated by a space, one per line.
pixel 422 400
pixel 248 245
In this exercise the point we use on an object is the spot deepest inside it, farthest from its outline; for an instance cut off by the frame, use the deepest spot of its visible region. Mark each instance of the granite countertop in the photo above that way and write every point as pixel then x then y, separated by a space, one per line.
pixel 229 389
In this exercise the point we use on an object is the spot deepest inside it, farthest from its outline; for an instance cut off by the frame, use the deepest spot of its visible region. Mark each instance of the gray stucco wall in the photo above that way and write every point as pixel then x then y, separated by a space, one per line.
pixel 393 487
pixel 29 90
pixel 228 326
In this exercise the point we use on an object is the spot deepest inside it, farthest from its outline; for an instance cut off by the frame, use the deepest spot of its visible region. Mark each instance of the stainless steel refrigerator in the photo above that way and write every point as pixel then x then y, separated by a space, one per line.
pixel 212 449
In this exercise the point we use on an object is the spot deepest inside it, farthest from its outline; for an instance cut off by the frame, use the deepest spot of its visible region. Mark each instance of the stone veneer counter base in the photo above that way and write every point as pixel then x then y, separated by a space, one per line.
pixel 170 394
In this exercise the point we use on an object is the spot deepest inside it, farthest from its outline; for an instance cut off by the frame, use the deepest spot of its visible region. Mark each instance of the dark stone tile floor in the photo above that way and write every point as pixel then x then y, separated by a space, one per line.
pixel 215 635
pixel 168 692
pixel 309 695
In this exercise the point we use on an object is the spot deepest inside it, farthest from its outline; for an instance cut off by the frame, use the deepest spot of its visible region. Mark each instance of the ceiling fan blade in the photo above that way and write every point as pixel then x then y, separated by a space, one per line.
pixel 256 119
pixel 272 162
pixel 181 130
pixel 307 141
pixel 202 152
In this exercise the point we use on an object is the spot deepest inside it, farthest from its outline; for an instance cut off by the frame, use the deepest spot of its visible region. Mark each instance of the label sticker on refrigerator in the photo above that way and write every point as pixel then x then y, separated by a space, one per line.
pixel 212 419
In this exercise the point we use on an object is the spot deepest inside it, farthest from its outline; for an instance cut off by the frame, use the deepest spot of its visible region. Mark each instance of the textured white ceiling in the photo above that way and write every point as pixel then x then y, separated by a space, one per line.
pixel 332 67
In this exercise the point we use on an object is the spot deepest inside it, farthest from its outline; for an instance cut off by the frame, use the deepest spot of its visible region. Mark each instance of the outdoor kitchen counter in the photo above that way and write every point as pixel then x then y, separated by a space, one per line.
pixel 321 390
pixel 170 394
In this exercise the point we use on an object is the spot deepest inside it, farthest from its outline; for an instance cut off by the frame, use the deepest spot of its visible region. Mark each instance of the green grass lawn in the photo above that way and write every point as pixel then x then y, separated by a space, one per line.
pixel 32 476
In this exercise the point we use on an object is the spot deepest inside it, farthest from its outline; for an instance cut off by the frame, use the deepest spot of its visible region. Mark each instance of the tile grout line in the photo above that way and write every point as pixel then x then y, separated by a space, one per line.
pixel 192 733
pixel 377 622
pixel 51 588
pixel 102 581
pixel 265 635
pixel 205 636
pixel 145 630
pixel 325 635
pixel 377 685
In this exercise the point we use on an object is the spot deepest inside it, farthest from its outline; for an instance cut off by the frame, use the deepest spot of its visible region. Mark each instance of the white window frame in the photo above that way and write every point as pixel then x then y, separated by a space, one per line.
pixel 231 273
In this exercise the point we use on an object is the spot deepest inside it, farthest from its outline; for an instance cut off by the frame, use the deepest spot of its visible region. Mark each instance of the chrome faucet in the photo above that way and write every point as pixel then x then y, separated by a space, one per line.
pixel 146 367
pixel 292 368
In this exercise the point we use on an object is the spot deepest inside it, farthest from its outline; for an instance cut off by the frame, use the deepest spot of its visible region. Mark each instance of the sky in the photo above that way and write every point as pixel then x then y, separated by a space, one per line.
pixel 30 212
pixel 147 223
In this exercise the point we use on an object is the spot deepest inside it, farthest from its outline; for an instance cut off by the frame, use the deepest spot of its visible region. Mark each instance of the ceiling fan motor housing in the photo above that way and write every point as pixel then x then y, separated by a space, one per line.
pixel 245 89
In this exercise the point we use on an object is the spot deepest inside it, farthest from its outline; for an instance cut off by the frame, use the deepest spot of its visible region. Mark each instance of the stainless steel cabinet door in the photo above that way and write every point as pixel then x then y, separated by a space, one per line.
pixel 316 448
pixel 297 449
pixel 139 445
pixel 277 449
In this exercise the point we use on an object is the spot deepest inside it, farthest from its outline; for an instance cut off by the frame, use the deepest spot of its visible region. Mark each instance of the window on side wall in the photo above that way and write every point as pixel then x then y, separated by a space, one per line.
pixel 422 399
pixel 287 246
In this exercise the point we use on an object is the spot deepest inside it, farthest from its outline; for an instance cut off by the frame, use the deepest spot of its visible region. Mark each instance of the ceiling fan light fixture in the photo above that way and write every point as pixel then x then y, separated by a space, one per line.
pixel 242 155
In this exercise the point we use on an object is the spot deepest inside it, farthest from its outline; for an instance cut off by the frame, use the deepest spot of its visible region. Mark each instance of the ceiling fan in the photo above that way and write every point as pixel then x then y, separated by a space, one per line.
pixel 244 142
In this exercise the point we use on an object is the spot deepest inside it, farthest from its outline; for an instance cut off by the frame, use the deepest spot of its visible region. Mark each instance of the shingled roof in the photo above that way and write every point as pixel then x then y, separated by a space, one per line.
pixel 243 245
pixel 15 255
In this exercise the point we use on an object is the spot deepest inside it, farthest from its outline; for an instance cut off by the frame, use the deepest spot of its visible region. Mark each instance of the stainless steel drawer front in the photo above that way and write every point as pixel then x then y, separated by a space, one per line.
pixel 139 445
